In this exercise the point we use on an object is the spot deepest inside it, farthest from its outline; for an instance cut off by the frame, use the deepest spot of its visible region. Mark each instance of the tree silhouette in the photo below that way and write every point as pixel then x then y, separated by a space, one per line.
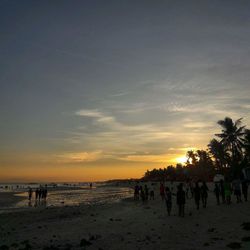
pixel 220 154
pixel 232 138
pixel 228 156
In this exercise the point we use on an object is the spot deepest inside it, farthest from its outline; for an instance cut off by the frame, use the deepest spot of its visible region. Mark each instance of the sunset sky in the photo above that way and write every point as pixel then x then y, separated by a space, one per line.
pixel 97 90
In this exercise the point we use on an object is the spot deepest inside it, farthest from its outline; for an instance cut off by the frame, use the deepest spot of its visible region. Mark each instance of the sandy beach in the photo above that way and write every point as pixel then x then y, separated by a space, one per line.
pixel 128 224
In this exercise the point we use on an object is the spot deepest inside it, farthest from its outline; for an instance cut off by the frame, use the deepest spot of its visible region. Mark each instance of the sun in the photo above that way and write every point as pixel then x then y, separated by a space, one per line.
pixel 181 159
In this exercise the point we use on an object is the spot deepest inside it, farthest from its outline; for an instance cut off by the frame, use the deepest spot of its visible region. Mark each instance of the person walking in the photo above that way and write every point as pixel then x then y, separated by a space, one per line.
pixel 37 191
pixel 236 184
pixel 181 200
pixel 197 195
pixel 168 199
pixel 204 194
pixel 162 191
pixel 30 192
pixel 136 192
pixel 222 191
pixel 217 193
pixel 228 189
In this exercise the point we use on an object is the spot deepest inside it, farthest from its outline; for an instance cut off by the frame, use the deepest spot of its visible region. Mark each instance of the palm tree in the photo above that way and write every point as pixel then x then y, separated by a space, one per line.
pixel 205 164
pixel 232 138
pixel 219 153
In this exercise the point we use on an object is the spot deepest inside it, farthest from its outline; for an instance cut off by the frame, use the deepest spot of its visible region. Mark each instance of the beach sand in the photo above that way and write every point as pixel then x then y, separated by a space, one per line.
pixel 128 225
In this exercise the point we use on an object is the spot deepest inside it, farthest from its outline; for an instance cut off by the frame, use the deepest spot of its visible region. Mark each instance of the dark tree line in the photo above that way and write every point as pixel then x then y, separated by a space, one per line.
pixel 228 153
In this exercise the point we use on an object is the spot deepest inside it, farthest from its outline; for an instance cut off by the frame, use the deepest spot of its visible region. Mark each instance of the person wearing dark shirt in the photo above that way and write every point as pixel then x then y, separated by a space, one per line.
pixel 168 198
pixel 222 191
pixel 204 194
pixel 181 200
pixel 217 193
pixel 197 195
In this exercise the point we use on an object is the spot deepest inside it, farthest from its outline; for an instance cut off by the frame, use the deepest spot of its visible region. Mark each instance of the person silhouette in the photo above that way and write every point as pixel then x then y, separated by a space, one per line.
pixel 222 191
pixel 168 199
pixel 204 193
pixel 197 195
pixel 37 193
pixel 136 192
pixel 151 195
pixel 30 192
pixel 181 200
pixel 217 193
pixel 162 191
pixel 237 189
pixel 228 191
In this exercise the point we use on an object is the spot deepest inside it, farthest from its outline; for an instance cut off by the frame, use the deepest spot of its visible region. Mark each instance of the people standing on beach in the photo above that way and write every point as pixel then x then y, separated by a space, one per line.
pixel 222 191
pixel 217 193
pixel 244 186
pixel 168 199
pixel 30 192
pixel 181 200
pixel 227 188
pixel 236 184
pixel 197 195
pixel 204 193
pixel 162 191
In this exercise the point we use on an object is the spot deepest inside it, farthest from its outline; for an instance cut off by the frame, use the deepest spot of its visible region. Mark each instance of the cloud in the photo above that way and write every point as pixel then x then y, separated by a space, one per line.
pixel 79 157
pixel 198 125
pixel 89 113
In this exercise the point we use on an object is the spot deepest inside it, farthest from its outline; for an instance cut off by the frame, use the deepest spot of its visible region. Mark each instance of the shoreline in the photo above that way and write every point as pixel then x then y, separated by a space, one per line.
pixel 10 199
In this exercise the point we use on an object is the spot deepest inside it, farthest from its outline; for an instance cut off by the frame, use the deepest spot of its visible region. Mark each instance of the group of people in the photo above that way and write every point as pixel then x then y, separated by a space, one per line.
pixel 144 193
pixel 197 191
pixel 40 193
pixel 224 189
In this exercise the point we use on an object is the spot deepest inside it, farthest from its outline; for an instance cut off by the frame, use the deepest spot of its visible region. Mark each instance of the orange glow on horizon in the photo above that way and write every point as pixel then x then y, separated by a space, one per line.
pixel 23 169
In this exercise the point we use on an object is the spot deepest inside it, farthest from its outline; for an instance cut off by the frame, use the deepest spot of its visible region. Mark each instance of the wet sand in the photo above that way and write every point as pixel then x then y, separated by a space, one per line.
pixel 129 225
pixel 7 199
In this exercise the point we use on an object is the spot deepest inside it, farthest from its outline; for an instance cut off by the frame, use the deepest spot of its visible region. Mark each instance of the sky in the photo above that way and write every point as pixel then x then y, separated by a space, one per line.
pixel 96 90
